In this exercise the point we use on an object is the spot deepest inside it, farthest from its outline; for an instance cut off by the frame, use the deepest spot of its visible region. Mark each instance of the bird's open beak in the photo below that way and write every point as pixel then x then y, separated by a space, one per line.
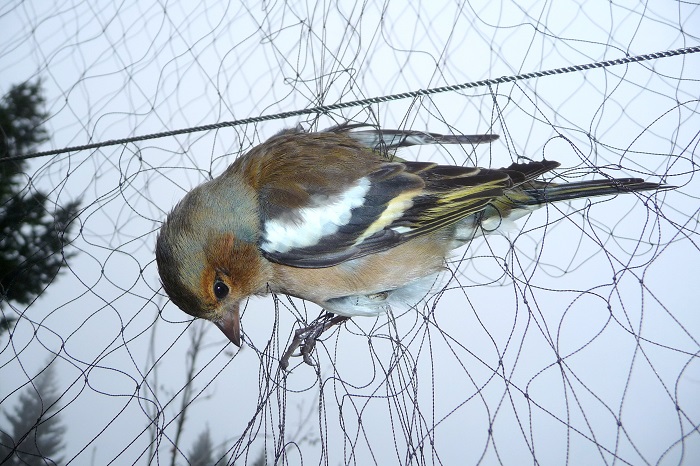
pixel 230 324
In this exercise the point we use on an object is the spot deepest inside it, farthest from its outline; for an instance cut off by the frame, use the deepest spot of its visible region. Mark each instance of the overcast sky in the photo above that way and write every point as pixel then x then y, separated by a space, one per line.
pixel 588 308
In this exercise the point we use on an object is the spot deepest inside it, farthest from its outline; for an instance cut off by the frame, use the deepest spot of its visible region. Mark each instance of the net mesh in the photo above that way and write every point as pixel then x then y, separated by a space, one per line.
pixel 573 339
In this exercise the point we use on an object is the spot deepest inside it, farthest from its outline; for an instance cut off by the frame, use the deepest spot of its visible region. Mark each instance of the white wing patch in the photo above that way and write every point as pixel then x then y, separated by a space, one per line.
pixel 315 222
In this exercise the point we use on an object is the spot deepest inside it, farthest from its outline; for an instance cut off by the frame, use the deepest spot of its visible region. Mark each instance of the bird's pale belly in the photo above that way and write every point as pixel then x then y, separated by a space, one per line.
pixel 368 285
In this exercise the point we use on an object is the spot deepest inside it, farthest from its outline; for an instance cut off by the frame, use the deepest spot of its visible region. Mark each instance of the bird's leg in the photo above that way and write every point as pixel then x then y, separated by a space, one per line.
pixel 305 338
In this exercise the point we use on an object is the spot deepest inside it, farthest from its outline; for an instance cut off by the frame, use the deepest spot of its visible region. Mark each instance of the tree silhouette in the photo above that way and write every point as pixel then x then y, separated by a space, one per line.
pixel 6 324
pixel 32 229
pixel 202 452
pixel 35 434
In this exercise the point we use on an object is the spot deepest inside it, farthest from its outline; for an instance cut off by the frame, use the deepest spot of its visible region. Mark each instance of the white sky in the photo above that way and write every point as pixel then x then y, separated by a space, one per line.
pixel 113 70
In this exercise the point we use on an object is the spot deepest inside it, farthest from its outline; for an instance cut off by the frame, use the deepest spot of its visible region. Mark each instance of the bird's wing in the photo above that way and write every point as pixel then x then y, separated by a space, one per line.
pixel 326 198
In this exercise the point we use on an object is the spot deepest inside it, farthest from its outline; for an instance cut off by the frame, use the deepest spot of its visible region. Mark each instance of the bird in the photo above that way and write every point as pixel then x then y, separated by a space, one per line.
pixel 336 218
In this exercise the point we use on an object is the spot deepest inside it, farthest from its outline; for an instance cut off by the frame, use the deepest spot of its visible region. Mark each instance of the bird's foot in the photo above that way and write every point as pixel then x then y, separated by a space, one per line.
pixel 305 338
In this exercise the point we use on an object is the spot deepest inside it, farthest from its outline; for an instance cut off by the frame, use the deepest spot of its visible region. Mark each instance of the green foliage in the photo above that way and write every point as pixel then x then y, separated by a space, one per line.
pixel 35 434
pixel 32 230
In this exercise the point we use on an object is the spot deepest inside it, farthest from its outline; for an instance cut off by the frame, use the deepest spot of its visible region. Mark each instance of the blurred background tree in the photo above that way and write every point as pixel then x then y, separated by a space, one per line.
pixel 202 452
pixel 33 434
pixel 33 230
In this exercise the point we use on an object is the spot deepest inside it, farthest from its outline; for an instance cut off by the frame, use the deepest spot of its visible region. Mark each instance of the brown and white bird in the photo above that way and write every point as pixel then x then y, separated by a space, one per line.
pixel 330 217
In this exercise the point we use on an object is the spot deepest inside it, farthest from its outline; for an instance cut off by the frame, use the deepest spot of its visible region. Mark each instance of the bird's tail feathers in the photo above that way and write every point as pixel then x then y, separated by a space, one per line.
pixel 538 193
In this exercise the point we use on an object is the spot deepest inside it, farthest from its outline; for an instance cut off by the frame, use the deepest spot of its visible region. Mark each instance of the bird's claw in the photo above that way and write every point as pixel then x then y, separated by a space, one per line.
pixel 305 338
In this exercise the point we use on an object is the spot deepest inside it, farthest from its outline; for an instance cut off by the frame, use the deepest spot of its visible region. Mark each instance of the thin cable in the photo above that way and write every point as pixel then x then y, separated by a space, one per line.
pixel 324 109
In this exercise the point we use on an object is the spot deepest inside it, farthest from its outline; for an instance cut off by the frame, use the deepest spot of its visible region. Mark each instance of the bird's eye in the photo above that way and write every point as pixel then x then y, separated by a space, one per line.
pixel 220 289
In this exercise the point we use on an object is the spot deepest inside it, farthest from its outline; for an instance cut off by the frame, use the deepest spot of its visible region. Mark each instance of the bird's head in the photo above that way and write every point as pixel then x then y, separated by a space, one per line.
pixel 207 254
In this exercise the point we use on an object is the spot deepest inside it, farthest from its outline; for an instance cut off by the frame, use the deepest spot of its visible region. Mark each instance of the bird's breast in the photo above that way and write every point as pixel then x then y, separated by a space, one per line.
pixel 361 286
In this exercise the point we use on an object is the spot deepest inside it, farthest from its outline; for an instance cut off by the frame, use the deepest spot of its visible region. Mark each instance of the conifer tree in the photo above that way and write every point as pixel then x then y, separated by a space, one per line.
pixel 32 230
pixel 32 434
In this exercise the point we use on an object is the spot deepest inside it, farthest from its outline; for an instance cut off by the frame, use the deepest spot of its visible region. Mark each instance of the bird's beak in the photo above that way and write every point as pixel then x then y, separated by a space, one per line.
pixel 230 324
